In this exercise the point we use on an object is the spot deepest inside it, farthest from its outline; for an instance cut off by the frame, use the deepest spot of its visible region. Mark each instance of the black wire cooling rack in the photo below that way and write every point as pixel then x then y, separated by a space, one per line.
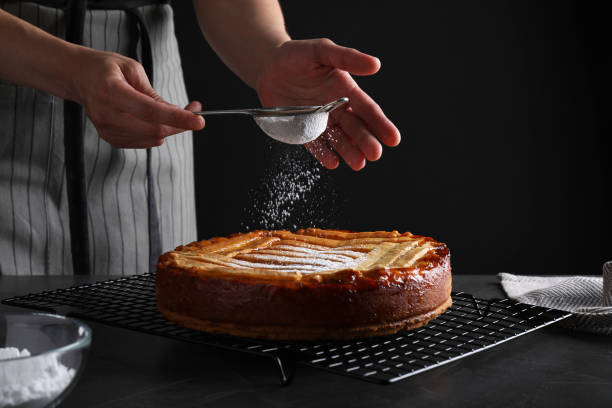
pixel 469 326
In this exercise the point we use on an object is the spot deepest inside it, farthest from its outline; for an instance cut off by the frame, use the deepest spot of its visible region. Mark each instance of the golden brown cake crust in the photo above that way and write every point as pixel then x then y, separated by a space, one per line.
pixel 306 333
pixel 312 284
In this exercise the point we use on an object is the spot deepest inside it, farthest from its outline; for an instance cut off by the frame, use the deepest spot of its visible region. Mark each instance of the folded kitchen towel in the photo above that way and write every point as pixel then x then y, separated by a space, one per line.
pixel 589 298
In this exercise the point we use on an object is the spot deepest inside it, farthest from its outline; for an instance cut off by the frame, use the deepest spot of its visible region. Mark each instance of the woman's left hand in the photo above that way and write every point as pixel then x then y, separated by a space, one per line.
pixel 314 72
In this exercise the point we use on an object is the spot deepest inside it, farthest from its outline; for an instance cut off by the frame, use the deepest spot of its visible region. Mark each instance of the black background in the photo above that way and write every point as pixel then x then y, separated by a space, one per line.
pixel 505 144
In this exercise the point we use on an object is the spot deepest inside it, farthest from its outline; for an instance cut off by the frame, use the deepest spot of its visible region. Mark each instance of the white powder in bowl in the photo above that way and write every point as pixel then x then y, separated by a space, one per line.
pixel 298 129
pixel 35 378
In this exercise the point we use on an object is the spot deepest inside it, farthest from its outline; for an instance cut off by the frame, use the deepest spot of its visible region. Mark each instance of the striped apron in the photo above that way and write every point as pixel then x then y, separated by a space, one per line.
pixel 71 203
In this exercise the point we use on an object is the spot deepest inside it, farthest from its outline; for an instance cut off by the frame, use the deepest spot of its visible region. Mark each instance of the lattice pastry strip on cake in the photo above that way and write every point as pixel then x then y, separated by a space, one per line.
pixel 308 251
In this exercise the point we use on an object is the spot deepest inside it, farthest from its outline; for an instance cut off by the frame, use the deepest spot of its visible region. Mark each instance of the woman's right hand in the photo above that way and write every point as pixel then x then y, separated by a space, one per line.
pixel 113 89
pixel 122 104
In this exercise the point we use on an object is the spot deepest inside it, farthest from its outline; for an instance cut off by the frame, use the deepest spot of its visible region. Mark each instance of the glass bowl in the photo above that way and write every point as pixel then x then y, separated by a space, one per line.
pixel 41 358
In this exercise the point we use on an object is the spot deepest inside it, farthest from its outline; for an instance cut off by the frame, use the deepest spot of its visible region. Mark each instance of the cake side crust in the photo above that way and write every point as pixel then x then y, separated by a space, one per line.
pixel 306 333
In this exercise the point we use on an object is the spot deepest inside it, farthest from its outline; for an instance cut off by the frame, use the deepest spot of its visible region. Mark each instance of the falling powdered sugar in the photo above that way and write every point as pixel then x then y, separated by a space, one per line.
pixel 292 194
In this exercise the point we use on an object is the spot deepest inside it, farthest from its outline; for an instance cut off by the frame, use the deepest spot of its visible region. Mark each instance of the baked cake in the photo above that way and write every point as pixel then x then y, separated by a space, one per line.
pixel 304 285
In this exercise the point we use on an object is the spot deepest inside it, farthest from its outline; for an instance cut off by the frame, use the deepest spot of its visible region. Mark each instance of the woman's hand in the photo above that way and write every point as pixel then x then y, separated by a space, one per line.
pixel 314 72
pixel 114 89
pixel 124 108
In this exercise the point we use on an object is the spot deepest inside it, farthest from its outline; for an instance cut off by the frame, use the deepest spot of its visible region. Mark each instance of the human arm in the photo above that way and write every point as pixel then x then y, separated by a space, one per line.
pixel 250 37
pixel 113 89
pixel 242 33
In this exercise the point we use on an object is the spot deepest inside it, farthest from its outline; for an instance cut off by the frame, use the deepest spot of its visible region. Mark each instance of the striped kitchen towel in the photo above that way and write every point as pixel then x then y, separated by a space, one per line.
pixel 589 298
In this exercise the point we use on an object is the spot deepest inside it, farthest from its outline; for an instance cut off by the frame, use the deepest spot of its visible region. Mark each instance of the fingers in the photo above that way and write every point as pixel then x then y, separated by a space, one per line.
pixel 358 63
pixel 351 139
pixel 137 97
pixel 136 76
pixel 347 59
pixel 145 108
pixel 362 138
pixel 125 131
pixel 194 106
pixel 342 144
pixel 374 118
pixel 129 132
pixel 321 151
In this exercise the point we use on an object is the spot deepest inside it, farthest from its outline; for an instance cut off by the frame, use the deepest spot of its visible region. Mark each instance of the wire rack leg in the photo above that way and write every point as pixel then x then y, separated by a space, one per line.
pixel 286 367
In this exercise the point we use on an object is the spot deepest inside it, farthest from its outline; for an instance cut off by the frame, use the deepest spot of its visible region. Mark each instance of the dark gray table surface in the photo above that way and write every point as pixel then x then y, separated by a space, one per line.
pixel 550 367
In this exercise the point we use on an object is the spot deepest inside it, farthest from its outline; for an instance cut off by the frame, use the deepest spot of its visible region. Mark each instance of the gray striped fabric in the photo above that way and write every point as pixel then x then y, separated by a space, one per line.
pixel 34 232
pixel 584 296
